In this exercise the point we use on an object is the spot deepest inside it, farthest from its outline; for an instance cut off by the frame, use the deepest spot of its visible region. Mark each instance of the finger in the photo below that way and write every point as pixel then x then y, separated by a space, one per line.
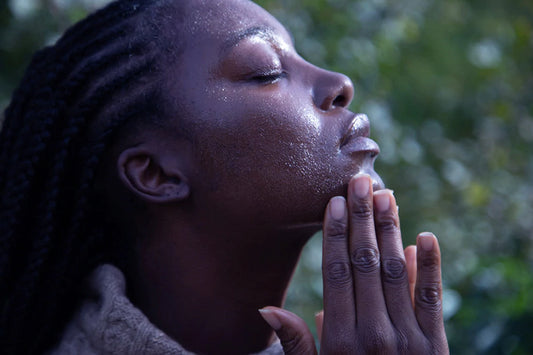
pixel 364 255
pixel 410 259
pixel 339 307
pixel 428 289
pixel 291 330
pixel 319 320
pixel 393 265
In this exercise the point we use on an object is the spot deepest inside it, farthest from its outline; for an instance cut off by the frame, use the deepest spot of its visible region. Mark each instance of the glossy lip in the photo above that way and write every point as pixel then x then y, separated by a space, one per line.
pixel 359 127
pixel 355 138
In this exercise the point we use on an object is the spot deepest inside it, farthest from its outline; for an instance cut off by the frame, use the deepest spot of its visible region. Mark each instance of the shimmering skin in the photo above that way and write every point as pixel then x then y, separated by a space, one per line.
pixel 267 124
pixel 238 179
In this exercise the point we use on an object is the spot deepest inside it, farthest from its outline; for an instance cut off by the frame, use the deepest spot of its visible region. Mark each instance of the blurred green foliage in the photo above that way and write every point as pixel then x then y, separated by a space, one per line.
pixel 448 87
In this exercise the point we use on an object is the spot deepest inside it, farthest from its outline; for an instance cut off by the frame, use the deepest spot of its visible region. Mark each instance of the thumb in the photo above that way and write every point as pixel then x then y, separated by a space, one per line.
pixel 293 333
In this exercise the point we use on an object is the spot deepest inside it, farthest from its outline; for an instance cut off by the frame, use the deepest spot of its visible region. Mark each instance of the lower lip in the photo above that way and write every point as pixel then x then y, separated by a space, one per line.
pixel 360 145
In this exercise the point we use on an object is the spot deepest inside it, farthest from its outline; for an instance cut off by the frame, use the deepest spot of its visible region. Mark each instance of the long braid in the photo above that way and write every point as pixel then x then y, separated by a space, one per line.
pixel 101 73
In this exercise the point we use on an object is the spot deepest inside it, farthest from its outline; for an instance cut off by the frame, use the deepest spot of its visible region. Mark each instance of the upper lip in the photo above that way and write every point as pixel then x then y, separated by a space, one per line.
pixel 359 126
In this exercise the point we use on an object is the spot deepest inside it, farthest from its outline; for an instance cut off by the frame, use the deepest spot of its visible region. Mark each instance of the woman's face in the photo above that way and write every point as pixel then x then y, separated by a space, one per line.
pixel 271 136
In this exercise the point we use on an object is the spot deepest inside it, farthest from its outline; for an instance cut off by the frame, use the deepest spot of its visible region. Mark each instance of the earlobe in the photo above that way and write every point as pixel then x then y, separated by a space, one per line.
pixel 144 175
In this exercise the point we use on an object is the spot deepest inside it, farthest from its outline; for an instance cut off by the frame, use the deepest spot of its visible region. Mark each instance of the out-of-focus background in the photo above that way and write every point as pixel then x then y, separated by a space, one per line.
pixel 448 87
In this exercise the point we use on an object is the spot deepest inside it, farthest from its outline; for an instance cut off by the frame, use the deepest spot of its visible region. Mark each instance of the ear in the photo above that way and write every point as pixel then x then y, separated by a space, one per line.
pixel 150 177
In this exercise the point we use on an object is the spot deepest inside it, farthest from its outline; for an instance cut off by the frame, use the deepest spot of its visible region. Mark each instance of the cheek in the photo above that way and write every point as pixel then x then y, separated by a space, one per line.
pixel 301 153
pixel 271 156
pixel 276 154
pixel 280 138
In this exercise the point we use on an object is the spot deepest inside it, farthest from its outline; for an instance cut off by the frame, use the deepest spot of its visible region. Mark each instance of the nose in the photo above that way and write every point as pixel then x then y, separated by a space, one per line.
pixel 332 90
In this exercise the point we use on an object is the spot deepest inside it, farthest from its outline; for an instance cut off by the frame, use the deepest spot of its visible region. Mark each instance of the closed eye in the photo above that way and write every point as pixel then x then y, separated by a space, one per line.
pixel 269 78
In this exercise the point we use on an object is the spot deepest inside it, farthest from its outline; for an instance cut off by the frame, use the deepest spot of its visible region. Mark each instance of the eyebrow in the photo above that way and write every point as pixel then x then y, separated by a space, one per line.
pixel 260 31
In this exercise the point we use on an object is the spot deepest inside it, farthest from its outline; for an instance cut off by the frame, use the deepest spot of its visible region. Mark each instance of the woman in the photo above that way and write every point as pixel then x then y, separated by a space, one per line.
pixel 164 164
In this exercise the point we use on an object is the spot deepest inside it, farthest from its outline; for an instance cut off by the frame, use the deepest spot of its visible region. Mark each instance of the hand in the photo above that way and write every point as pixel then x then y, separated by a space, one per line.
pixel 410 260
pixel 367 303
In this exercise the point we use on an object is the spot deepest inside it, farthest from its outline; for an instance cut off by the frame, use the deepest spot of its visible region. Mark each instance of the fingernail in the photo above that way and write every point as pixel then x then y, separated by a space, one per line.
pixel 270 318
pixel 382 200
pixel 362 185
pixel 337 208
pixel 425 240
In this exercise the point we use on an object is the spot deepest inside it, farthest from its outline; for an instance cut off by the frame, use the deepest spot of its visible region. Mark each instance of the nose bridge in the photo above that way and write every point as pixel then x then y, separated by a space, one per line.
pixel 332 89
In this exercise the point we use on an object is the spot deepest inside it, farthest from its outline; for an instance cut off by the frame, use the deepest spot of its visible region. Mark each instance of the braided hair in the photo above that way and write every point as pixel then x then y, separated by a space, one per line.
pixel 103 74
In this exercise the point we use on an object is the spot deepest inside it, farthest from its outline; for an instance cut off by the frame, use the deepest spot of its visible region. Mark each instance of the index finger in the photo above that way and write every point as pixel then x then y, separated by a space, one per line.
pixel 339 308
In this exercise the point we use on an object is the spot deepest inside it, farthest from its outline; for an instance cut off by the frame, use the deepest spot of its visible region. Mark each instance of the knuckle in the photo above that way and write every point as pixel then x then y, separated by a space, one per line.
pixel 387 223
pixel 378 341
pixel 296 346
pixel 430 262
pixel 336 230
pixel 429 296
pixel 402 344
pixel 338 274
pixel 363 210
pixel 394 270
pixel 366 259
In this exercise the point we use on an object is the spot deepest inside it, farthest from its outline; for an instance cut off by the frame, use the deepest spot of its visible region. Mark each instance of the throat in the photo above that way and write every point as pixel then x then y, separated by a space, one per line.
pixel 205 292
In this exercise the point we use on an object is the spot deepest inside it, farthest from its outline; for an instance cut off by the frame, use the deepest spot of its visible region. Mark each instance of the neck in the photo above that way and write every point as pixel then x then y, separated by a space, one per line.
pixel 204 289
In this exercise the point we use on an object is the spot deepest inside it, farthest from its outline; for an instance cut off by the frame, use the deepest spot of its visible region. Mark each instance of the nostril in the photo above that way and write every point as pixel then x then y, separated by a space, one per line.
pixel 339 101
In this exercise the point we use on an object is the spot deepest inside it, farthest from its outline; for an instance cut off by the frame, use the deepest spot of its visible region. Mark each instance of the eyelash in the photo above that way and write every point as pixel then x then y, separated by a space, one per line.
pixel 269 78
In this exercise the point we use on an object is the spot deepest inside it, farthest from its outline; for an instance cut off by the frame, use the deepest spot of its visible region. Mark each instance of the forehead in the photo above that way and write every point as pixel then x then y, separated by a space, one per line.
pixel 229 21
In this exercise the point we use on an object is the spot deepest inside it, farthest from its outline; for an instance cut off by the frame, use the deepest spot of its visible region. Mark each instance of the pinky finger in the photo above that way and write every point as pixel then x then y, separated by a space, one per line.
pixel 410 260
pixel 428 292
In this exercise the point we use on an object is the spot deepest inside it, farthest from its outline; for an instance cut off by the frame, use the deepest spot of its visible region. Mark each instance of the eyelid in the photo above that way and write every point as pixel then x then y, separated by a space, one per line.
pixel 269 77
pixel 253 61
pixel 266 66
pixel 267 72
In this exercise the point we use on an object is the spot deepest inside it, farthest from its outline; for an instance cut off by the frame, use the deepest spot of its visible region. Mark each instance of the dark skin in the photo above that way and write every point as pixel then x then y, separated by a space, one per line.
pixel 222 214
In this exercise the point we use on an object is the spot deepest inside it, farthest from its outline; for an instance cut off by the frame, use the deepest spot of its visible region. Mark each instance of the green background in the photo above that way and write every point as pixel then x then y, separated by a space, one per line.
pixel 448 87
